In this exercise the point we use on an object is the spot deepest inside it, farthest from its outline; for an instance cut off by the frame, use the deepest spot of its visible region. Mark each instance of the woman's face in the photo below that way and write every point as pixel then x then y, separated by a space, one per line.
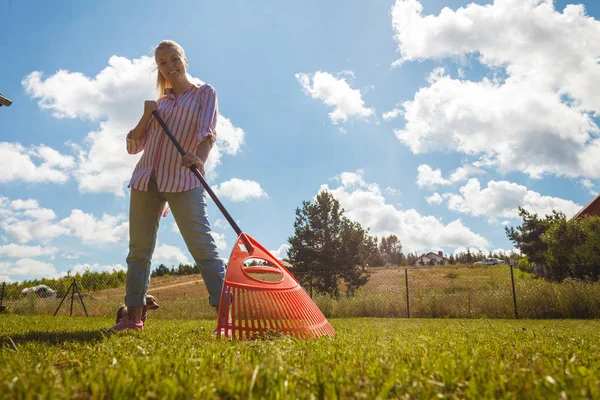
pixel 170 64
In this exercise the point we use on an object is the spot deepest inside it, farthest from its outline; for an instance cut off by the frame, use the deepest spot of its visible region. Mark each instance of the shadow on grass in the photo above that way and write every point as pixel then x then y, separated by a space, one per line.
pixel 51 337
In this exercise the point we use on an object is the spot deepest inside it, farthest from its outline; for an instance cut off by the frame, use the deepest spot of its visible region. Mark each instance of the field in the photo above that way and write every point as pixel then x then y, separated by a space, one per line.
pixel 69 357
pixel 457 291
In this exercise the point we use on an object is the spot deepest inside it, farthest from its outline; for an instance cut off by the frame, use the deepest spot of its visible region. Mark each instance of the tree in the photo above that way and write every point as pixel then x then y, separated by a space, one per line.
pixel 528 237
pixel 352 255
pixel 573 248
pixel 451 259
pixel 469 257
pixel 327 247
pixel 373 256
pixel 161 270
pixel 391 250
pixel 411 258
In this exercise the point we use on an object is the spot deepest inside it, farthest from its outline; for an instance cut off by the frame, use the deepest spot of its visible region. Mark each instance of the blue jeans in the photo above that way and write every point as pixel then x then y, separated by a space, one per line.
pixel 189 211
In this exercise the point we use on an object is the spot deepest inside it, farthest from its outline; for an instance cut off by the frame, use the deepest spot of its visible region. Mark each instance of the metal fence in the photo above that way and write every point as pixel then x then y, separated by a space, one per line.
pixel 463 291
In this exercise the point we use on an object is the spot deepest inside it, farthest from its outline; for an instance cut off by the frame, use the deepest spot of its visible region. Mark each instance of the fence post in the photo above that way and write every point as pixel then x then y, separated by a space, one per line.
pixel 407 297
pixel 72 298
pixel 2 308
pixel 469 304
pixel 512 279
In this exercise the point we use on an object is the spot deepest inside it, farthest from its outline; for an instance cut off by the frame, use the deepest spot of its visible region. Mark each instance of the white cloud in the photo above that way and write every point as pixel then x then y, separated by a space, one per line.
pixel 169 255
pixel 220 240
pixel 392 114
pixel 240 190
pixel 221 223
pixel 114 98
pixel 428 177
pixel 351 179
pixel 367 206
pixel 335 92
pixel 501 199
pixel 92 230
pixel 41 214
pixel 462 173
pixel 40 224
pixel 281 252
pixel 391 191
pixel 16 251
pixel 589 185
pixel 537 114
pixel 17 163
pixel 435 198
pixel 28 267
pixel 25 230
pixel 5 278
pixel 20 204
pixel 81 268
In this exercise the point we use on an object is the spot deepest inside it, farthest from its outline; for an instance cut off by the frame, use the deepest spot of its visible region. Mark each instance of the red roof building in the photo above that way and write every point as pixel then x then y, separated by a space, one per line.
pixel 592 208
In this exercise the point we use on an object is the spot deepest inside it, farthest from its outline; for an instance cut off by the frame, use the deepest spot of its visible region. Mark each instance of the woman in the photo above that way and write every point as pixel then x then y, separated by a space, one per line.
pixel 162 175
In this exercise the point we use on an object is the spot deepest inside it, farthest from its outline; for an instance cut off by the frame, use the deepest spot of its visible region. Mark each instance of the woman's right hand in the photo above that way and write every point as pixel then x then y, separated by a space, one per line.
pixel 149 107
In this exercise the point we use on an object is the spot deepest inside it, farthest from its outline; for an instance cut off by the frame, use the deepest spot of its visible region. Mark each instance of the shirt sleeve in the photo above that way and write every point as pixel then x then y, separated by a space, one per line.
pixel 134 146
pixel 207 120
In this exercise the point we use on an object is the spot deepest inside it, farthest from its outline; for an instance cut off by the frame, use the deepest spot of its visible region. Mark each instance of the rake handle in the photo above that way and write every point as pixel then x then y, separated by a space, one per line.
pixel 196 172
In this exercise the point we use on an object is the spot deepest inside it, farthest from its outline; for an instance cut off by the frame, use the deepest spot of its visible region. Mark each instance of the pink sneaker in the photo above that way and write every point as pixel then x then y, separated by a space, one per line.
pixel 126 323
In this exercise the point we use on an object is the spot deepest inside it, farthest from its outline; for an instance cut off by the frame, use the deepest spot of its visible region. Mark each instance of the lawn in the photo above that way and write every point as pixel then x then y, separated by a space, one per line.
pixel 69 357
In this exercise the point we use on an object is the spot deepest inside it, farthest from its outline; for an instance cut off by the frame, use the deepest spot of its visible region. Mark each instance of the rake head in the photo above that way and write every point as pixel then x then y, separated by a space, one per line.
pixel 261 298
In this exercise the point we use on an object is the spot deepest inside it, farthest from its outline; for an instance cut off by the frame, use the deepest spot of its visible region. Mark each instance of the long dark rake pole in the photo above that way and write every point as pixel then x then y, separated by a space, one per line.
pixel 196 172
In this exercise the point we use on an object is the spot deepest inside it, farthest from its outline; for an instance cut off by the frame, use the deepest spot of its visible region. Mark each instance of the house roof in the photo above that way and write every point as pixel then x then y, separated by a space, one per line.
pixel 433 254
pixel 591 208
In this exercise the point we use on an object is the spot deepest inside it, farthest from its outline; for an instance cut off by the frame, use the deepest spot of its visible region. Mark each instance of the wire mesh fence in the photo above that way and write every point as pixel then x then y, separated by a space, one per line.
pixel 453 291
pixel 178 296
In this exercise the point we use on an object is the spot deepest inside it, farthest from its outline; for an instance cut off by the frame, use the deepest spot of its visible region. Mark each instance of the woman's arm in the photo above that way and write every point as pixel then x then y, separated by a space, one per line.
pixel 136 139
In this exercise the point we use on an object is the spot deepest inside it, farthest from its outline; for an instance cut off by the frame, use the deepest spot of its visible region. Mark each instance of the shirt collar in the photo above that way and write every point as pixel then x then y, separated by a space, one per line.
pixel 169 91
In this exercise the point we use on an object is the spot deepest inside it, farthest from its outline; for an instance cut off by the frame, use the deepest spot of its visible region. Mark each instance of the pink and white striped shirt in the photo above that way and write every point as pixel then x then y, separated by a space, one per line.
pixel 192 117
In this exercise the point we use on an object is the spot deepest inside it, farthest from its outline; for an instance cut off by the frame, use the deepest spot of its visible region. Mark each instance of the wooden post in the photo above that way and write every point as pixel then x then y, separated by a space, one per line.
pixel 512 278
pixel 407 297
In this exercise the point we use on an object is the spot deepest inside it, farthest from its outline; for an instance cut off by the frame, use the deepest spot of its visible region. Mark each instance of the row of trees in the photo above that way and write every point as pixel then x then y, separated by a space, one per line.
pixel 181 269
pixel 558 248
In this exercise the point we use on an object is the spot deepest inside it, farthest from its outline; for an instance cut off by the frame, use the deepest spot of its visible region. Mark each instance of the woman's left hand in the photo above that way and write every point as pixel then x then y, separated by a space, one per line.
pixel 192 159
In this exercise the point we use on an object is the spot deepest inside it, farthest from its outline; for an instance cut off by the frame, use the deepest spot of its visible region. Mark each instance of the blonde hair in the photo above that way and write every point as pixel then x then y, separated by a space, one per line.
pixel 161 82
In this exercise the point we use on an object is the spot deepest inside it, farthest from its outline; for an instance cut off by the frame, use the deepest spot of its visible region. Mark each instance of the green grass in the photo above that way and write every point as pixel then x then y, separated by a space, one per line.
pixel 62 357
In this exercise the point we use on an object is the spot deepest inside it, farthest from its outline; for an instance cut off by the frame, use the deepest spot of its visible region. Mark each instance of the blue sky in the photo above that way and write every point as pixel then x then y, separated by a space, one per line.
pixel 431 120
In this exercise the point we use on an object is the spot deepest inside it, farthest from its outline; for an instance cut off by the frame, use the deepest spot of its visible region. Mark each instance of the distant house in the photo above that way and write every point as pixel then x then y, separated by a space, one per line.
pixel 432 259
pixel 592 208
